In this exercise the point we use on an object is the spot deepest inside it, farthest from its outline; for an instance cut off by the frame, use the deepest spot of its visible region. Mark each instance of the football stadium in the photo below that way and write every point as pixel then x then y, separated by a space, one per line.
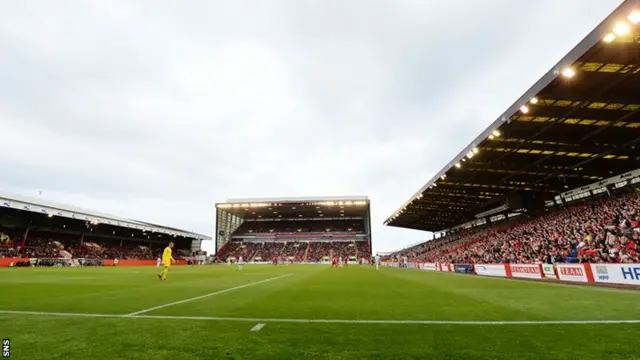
pixel 533 251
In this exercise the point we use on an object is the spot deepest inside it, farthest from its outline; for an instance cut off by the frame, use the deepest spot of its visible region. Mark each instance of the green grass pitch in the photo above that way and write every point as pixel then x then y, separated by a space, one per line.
pixel 422 315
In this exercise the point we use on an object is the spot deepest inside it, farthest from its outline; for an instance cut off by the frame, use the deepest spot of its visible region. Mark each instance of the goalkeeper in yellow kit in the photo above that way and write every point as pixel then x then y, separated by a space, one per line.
pixel 167 259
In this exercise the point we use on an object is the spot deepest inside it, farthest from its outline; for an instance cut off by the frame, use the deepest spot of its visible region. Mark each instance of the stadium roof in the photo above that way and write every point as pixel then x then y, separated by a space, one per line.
pixel 49 208
pixel 580 123
pixel 297 199
pixel 302 208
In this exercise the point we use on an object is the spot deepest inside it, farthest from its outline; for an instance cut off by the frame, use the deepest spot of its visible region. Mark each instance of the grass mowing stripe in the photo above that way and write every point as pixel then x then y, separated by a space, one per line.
pixel 328 321
pixel 44 313
pixel 207 295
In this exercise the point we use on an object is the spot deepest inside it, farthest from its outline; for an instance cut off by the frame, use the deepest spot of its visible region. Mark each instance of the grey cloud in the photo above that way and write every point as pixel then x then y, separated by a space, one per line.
pixel 156 109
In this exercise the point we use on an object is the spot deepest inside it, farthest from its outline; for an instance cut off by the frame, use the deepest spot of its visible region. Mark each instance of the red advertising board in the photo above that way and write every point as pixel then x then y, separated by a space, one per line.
pixel 444 267
pixel 526 271
pixel 6 262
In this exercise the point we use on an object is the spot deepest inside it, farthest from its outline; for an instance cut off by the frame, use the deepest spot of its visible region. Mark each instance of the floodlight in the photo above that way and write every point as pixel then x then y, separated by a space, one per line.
pixel 568 72
pixel 609 38
pixel 524 109
pixel 621 28
pixel 534 100
pixel 634 17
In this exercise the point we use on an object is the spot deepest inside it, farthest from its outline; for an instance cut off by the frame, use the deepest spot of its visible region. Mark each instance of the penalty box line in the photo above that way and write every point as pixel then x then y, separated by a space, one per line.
pixel 328 321
pixel 206 295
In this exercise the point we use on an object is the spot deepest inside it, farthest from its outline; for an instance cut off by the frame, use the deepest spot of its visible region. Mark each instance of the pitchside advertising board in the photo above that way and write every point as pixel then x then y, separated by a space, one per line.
pixel 491 270
pixel 444 267
pixel 549 271
pixel 628 274
pixel 464 269
pixel 572 272
pixel 428 266
pixel 526 271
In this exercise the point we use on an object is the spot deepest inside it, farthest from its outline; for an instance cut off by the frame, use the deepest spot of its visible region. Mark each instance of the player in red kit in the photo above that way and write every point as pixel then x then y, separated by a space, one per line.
pixel 346 261
pixel 334 262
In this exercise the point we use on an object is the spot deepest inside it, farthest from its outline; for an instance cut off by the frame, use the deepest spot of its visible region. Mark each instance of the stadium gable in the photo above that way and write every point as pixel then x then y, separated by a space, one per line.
pixel 578 125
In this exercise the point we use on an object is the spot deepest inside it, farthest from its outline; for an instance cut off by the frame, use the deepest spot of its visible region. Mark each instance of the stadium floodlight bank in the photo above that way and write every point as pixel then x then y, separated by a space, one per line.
pixel 574 132
pixel 309 219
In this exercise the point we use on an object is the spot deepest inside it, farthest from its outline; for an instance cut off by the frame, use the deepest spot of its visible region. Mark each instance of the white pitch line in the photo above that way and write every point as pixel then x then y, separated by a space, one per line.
pixel 207 295
pixel 258 327
pixel 328 321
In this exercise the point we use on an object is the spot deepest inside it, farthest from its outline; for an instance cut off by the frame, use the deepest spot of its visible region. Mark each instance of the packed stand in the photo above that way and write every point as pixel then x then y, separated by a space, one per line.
pixel 269 251
pixel 363 249
pixel 55 246
pixel 247 251
pixel 295 250
pixel 319 250
pixel 284 227
pixel 605 231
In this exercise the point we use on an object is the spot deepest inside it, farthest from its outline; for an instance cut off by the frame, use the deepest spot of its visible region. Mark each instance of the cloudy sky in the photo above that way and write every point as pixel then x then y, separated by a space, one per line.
pixel 156 109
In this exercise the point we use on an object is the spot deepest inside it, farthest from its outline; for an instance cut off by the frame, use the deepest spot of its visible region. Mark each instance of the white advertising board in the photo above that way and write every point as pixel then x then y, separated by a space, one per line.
pixel 628 274
pixel 491 270
pixel 549 271
pixel 429 266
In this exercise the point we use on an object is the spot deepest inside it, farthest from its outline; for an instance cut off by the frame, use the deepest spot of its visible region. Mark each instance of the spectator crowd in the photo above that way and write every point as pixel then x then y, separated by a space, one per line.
pixel 312 251
pixel 52 246
pixel 603 231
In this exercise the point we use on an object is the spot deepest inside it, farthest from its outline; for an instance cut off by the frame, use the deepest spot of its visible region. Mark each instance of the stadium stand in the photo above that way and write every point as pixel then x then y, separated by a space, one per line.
pixel 35 229
pixel 554 179
pixel 300 230
pixel 605 231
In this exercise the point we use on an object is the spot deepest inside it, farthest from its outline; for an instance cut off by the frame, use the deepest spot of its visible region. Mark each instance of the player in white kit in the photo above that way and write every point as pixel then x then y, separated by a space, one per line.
pixel 158 262
pixel 406 262
pixel 377 262
pixel 240 263
pixel 340 261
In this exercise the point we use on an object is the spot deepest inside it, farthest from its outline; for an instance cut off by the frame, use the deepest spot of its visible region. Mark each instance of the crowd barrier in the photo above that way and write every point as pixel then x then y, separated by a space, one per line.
pixel 616 274
pixel 140 262
pixel 6 262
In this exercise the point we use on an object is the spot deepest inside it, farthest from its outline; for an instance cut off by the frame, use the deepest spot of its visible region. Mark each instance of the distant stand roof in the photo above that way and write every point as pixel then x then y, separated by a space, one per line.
pixel 51 208
pixel 296 199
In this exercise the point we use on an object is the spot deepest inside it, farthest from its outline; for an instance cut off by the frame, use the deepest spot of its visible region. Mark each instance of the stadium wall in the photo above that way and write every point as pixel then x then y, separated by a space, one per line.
pixel 598 274
pixel 6 262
